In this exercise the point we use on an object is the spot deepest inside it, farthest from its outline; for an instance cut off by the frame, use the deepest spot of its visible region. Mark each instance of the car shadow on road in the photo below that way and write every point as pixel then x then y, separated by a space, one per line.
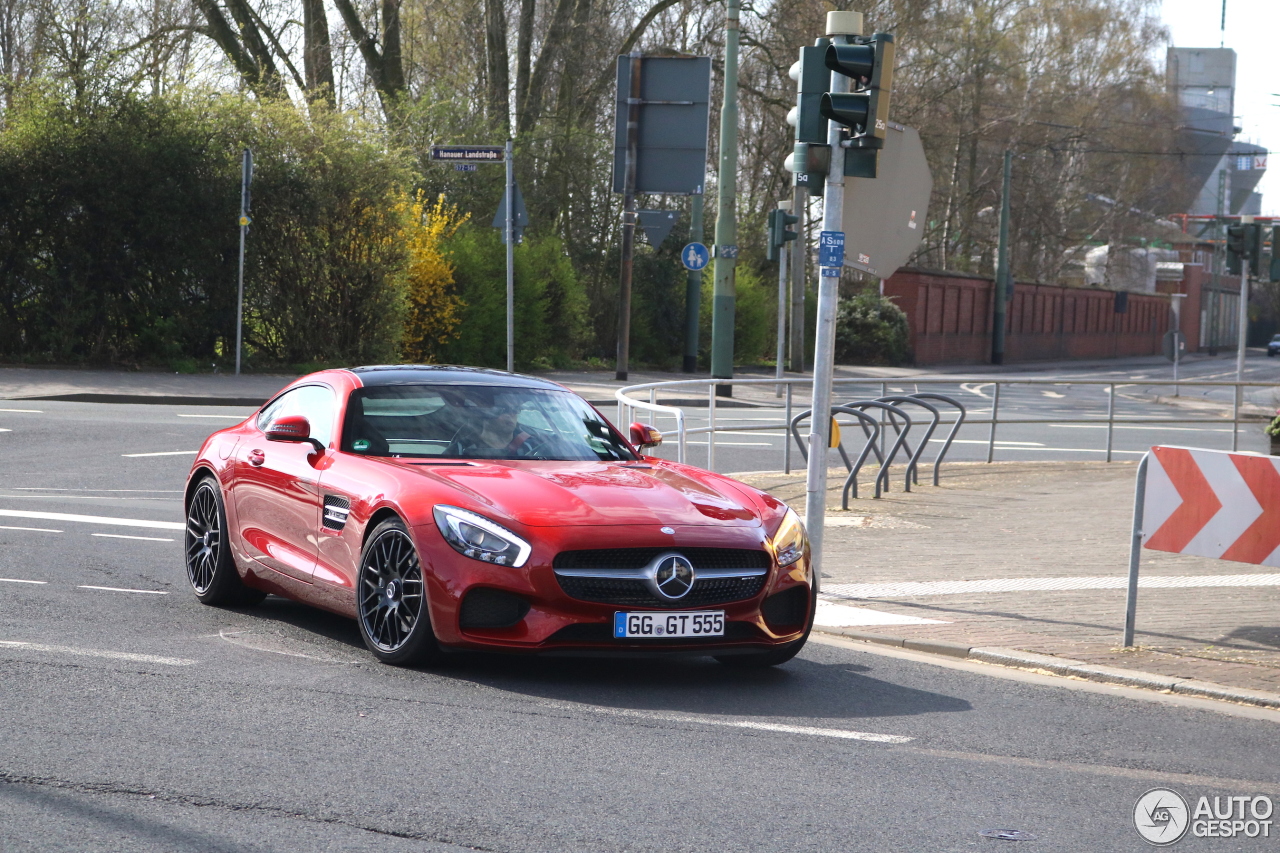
pixel 816 686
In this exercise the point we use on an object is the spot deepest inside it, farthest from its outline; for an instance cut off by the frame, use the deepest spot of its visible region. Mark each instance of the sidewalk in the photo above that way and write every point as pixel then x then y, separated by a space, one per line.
pixel 1035 522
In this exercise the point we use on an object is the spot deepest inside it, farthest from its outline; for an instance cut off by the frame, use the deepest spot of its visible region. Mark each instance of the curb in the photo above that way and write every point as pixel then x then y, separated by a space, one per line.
pixel 1068 668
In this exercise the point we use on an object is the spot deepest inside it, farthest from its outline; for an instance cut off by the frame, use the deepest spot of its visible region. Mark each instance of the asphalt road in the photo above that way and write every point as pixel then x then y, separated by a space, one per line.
pixel 753 447
pixel 135 718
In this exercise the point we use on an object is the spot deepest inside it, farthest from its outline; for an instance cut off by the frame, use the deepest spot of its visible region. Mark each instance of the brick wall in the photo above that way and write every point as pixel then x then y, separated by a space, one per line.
pixel 950 317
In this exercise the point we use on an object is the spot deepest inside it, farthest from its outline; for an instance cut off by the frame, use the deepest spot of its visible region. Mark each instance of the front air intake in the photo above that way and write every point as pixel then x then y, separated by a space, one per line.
pixel 491 608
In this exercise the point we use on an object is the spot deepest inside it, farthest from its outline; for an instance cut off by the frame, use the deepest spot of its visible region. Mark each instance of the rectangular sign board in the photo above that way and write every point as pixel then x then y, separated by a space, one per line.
pixel 469 153
pixel 675 95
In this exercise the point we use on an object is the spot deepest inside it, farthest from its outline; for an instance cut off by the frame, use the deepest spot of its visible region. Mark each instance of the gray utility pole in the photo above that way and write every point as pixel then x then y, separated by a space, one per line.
pixel 510 239
pixel 800 208
pixel 693 292
pixel 1175 300
pixel 1243 323
pixel 840 25
pixel 628 219
pixel 726 251
pixel 783 255
pixel 1003 288
pixel 246 176
pixel 1219 259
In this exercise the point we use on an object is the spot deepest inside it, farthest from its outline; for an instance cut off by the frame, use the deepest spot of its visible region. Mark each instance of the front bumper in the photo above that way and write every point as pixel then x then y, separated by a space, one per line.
pixel 556 622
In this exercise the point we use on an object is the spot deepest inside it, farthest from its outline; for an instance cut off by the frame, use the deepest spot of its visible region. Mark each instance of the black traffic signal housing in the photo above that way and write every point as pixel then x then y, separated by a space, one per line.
pixel 811 160
pixel 1275 254
pixel 864 111
pixel 1244 243
pixel 780 232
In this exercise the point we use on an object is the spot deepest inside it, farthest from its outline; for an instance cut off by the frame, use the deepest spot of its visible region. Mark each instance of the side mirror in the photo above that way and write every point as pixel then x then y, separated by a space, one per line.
pixel 295 428
pixel 643 435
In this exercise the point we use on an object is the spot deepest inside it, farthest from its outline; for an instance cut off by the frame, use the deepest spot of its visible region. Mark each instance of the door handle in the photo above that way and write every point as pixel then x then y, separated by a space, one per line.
pixel 256 458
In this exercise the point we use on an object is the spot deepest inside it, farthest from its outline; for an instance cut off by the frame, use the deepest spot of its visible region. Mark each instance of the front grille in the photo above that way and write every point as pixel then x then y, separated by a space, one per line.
pixel 635 558
pixel 629 592
pixel 602 632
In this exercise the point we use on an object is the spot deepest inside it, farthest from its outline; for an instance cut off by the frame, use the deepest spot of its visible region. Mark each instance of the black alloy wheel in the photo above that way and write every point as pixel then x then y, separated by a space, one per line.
pixel 391 598
pixel 210 568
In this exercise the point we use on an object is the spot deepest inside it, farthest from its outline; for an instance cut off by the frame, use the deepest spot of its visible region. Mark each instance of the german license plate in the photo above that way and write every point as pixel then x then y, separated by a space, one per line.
pixel 650 625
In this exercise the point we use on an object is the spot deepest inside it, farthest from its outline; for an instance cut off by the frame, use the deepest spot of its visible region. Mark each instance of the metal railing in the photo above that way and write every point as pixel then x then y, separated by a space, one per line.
pixel 628 406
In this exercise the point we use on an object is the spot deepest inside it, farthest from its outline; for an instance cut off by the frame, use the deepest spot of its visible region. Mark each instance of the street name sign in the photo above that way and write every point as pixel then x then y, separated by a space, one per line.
pixel 469 153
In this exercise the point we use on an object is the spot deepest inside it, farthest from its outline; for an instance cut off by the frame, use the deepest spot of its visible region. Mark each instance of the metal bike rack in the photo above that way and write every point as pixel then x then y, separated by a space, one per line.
pixel 871 428
pixel 889 455
pixel 804 454
pixel 955 427
pixel 913 475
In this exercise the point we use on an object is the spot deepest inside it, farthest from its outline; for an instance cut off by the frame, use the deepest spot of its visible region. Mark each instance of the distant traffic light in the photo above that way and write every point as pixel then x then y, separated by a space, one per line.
pixel 1244 243
pixel 1235 248
pixel 1275 253
pixel 780 232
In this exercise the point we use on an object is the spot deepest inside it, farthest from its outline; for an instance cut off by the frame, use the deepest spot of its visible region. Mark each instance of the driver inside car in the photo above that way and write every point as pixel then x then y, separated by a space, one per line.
pixel 498 434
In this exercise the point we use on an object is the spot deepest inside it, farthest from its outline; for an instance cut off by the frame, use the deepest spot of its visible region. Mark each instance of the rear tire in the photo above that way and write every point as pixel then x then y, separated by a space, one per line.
pixel 210 567
pixel 391 599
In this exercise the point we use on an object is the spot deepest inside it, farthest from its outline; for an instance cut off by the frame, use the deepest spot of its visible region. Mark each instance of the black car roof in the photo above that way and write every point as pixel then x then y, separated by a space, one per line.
pixel 446 374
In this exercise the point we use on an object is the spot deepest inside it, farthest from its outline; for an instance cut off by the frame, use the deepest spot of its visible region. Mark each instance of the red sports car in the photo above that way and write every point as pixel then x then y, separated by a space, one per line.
pixel 460 508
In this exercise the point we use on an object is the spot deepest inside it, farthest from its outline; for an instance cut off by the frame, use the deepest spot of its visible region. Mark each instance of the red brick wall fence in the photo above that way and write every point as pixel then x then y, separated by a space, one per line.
pixel 950 317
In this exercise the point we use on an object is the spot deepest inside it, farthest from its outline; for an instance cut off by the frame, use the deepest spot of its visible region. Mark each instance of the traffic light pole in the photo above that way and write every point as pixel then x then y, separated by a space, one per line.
pixel 726 251
pixel 840 25
pixel 628 220
pixel 693 292
pixel 1003 270
pixel 799 207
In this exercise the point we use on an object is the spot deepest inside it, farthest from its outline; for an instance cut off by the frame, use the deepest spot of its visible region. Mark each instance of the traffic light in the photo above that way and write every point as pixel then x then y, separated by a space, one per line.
pixel 1244 243
pixel 779 231
pixel 1235 248
pixel 865 109
pixel 1275 253
pixel 811 159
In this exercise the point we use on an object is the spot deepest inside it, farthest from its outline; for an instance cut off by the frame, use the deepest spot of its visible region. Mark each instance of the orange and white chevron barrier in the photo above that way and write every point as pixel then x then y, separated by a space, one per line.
pixel 1209 503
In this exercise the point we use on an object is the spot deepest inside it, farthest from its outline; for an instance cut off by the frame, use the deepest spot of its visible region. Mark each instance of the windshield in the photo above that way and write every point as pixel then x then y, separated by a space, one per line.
pixel 477 422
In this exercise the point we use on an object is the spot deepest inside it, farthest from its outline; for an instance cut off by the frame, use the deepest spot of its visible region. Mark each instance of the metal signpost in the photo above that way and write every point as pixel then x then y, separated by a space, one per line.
pixel 660 146
pixel 693 284
pixel 464 158
pixel 246 176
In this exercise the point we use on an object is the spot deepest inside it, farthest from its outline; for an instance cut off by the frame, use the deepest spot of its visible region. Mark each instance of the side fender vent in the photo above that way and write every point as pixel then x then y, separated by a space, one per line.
pixel 336 510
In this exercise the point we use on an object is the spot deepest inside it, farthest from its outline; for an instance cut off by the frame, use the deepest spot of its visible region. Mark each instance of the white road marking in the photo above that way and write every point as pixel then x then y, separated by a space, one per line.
pixel 162 453
pixel 19 580
pixel 226 417
pixel 51 489
pixel 24 411
pixel 32 529
pixel 6 430
pixel 1073 449
pixel 123 536
pixel 1131 426
pixel 976 388
pixel 831 615
pixel 999 442
pixel 122 589
pixel 911 589
pixel 93 519
pixel 96 653
pixel 845 734
pixel 1053 394
pixel 734 443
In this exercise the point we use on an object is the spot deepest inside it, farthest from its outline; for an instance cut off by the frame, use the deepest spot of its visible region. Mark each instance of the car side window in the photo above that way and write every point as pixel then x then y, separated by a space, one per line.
pixel 314 402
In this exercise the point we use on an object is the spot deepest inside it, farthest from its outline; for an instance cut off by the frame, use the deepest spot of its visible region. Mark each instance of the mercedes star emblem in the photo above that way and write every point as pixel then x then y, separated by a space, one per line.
pixel 672 576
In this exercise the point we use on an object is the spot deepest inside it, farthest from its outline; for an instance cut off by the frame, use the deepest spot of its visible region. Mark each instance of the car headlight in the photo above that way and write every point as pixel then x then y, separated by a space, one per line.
pixel 479 538
pixel 790 541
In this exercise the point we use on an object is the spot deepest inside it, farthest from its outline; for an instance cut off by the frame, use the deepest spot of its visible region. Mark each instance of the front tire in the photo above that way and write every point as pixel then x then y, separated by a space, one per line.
pixel 391 599
pixel 210 567
pixel 778 656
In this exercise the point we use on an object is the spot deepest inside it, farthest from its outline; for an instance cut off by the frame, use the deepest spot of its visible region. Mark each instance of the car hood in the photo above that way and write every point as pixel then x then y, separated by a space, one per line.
pixel 555 494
